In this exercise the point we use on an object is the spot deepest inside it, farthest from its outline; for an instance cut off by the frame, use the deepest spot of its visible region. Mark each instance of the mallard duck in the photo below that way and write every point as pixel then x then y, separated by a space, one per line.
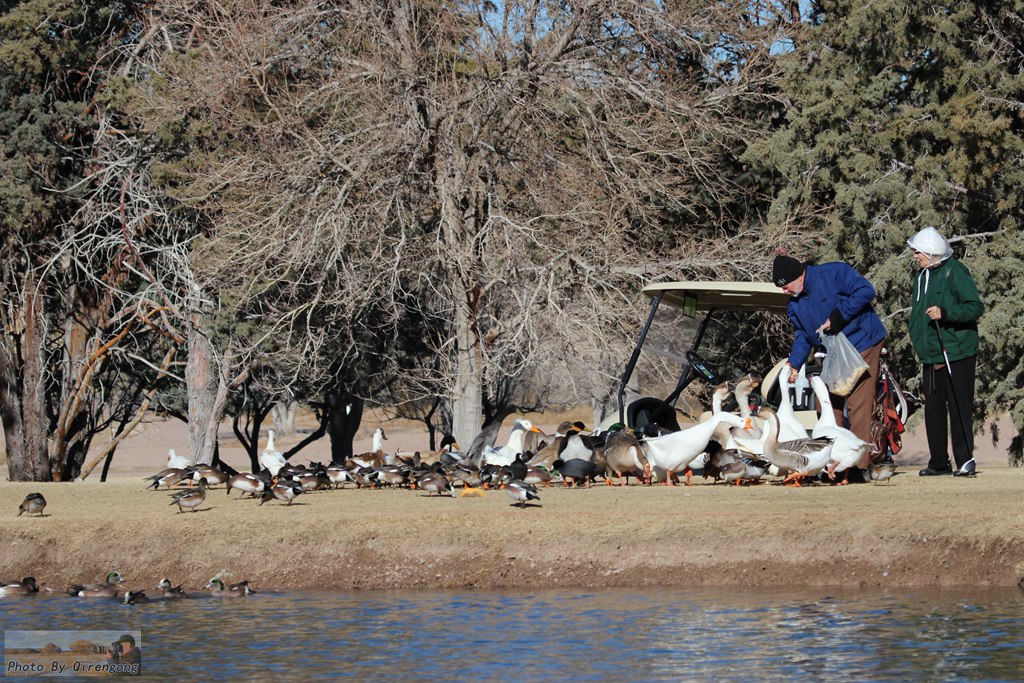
pixel 135 597
pixel 848 450
pixel 535 474
pixel 271 458
pixel 108 589
pixel 521 491
pixel 33 504
pixel 800 457
pixel 623 454
pixel 435 482
pixel 190 498
pixel 674 452
pixel 26 586
pixel 171 592
pixel 235 590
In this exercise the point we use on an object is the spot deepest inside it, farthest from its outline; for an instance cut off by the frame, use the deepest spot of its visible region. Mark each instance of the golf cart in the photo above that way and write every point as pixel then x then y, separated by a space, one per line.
pixel 708 298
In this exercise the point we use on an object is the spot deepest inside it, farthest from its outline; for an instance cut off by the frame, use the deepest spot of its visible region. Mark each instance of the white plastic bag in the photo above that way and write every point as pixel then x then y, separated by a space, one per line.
pixel 843 364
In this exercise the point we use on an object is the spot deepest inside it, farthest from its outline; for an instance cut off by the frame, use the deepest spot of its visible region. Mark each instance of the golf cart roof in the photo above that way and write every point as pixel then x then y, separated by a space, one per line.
pixel 723 296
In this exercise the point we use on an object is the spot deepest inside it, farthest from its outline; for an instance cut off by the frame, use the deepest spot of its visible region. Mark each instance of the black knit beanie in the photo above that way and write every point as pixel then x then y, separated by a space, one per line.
pixel 785 269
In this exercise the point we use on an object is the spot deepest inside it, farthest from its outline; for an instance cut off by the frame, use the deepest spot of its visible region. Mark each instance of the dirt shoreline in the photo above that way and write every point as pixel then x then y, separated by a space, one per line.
pixel 913 532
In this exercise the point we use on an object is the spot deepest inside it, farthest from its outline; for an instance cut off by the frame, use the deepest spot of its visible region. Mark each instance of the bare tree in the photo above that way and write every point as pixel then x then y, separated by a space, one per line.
pixel 510 173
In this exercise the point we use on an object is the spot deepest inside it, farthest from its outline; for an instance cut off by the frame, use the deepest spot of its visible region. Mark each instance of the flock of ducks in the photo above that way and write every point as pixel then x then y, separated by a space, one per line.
pixel 735 447
pixel 111 588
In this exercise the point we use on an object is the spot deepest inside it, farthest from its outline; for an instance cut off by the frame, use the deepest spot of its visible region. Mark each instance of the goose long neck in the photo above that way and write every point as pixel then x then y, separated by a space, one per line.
pixel 771 442
pixel 821 391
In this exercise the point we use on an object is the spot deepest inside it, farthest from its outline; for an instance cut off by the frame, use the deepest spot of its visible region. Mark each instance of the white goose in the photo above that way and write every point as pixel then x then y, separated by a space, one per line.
pixel 271 458
pixel 505 455
pixel 790 427
pixel 176 461
pixel 744 388
pixel 848 450
pixel 800 457
pixel 676 451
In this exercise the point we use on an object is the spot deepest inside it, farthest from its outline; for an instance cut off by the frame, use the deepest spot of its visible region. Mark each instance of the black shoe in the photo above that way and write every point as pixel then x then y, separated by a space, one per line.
pixel 929 472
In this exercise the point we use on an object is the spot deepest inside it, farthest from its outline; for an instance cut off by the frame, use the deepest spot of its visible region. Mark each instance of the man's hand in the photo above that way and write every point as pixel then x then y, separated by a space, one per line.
pixel 934 312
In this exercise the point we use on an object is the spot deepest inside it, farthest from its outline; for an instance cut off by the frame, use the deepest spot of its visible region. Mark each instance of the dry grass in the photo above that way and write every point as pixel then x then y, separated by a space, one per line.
pixel 911 532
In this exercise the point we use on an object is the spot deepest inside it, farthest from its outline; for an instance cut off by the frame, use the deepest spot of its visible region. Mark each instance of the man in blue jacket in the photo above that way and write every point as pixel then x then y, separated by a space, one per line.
pixel 834 298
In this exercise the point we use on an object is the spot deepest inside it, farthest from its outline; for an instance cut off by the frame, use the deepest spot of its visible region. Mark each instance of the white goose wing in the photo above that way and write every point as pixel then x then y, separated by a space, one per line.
pixel 848 449
pixel 676 451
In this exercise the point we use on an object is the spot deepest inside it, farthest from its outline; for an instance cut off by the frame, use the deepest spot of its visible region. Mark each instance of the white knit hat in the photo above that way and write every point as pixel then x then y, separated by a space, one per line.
pixel 930 242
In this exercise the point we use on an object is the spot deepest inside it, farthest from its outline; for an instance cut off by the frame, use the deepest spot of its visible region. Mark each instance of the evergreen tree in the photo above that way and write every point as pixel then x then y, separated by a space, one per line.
pixel 59 269
pixel 903 115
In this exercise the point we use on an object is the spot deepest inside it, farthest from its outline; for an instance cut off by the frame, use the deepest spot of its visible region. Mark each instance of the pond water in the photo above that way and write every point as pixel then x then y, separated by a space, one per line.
pixel 716 634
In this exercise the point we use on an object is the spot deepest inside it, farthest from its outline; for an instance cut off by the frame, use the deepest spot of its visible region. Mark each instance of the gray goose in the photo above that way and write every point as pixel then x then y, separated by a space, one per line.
pixel 800 457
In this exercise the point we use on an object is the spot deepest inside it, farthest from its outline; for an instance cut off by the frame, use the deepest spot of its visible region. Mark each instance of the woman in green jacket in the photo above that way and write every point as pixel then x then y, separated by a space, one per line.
pixel 944 329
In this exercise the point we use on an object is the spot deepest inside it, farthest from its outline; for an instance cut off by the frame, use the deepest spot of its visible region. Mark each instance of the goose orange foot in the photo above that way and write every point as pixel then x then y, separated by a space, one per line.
pixel 795 478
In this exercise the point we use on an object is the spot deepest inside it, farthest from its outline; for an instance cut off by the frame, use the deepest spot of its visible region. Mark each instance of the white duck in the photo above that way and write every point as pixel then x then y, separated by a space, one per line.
pixel 271 458
pixel 676 451
pixel 800 457
pixel 505 455
pixel 377 457
pixel 848 450
pixel 176 461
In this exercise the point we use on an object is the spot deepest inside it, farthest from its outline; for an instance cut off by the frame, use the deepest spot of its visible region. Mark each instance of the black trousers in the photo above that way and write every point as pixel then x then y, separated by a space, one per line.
pixel 948 408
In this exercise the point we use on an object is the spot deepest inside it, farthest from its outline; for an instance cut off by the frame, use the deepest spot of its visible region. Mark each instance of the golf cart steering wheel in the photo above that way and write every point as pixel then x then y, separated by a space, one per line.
pixel 700 367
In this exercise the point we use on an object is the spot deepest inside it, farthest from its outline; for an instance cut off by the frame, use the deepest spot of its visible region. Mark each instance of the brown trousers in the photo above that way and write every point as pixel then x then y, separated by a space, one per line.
pixel 861 401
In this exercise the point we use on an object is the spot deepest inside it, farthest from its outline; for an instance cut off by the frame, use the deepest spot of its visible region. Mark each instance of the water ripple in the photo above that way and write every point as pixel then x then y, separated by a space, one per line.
pixel 614 635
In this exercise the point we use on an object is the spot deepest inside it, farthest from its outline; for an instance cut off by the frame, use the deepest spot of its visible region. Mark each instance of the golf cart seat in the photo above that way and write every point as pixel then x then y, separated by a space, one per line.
pixel 801 397
pixel 644 411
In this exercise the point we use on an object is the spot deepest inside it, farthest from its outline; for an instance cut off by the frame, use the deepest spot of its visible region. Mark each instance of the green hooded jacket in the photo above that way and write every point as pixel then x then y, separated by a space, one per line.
pixel 949 286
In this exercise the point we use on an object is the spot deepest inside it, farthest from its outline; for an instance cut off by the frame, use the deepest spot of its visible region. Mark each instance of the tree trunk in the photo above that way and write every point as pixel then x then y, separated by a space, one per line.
pixel 203 385
pixel 23 398
pixel 346 413
pixel 467 407
pixel 283 413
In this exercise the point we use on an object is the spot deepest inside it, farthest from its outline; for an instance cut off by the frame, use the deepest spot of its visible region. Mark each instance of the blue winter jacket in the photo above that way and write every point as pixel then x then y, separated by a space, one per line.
pixel 836 292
